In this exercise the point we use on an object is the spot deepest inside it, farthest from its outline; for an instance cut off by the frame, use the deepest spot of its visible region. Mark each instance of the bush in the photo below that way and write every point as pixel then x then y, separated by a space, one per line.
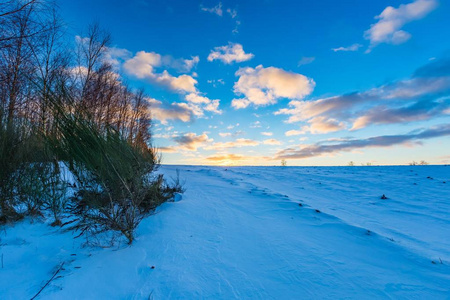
pixel 16 182
pixel 29 182
pixel 8 142
pixel 114 186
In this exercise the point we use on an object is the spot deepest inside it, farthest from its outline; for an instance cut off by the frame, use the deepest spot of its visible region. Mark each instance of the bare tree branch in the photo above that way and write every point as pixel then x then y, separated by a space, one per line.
pixel 18 9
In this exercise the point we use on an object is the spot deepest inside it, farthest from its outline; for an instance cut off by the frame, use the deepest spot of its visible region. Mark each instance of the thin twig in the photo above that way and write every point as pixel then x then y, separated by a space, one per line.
pixel 50 280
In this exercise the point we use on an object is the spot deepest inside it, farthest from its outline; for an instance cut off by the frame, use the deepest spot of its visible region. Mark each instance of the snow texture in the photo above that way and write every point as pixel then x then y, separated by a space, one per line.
pixel 257 232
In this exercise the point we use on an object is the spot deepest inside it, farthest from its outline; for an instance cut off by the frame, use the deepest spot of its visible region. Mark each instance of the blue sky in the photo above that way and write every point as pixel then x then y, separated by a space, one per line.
pixel 311 82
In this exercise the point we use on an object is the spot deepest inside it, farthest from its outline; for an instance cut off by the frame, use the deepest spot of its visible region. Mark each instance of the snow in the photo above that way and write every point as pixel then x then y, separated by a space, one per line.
pixel 240 233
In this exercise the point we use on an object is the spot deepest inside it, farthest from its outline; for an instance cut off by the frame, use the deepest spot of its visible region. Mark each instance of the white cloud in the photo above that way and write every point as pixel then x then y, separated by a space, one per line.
pixel 175 111
pixel 232 126
pixel 203 102
pixel 197 99
pixel 294 132
pixel 236 27
pixel 143 65
pixel 271 142
pixel 191 141
pixel 182 83
pixel 155 60
pixel 214 10
pixel 353 47
pixel 167 149
pixel 240 103
pixel 181 64
pixel 82 40
pixel 256 124
pixel 303 110
pixel 115 56
pixel 305 61
pixel 79 71
pixel 311 112
pixel 229 54
pixel 213 106
pixel 267 133
pixel 324 125
pixel 234 134
pixel 235 144
pixel 263 86
pixel 232 12
pixel 217 10
pixel 234 15
pixel 197 110
pixel 215 82
pixel 391 20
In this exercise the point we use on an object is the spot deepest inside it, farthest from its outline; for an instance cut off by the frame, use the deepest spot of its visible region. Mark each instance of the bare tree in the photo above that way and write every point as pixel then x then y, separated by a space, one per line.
pixel 15 61
pixel 90 53
pixel 50 59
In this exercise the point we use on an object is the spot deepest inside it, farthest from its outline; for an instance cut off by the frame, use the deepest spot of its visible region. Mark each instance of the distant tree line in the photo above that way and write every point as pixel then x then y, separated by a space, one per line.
pixel 421 163
pixel 75 140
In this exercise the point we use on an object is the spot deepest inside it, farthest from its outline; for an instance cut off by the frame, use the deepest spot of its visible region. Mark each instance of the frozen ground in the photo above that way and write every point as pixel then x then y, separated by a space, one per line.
pixel 241 233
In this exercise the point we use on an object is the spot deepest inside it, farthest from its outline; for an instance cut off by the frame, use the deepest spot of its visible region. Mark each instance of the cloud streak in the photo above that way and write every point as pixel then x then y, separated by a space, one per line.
pixel 233 159
pixel 421 110
pixel 423 96
pixel 234 144
pixel 305 60
pixel 352 48
pixel 217 10
pixel 320 149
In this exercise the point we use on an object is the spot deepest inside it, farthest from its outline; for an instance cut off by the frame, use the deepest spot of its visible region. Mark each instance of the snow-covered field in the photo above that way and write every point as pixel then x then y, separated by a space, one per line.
pixel 241 233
